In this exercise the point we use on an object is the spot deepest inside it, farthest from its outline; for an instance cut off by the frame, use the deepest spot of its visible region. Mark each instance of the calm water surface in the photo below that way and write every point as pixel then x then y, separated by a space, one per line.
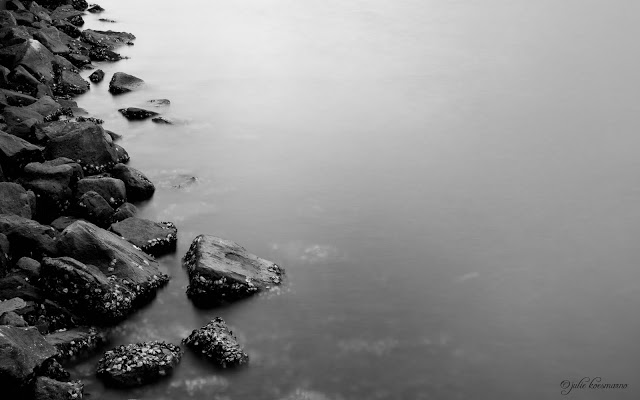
pixel 452 186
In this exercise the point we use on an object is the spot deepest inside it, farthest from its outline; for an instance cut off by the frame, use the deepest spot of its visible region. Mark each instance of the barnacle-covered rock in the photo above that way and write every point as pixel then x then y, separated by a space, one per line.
pixel 138 364
pixel 76 343
pixel 96 76
pixel 51 389
pixel 221 270
pixel 107 39
pixel 216 342
pixel 152 237
pixel 136 114
pixel 114 256
pixel 127 210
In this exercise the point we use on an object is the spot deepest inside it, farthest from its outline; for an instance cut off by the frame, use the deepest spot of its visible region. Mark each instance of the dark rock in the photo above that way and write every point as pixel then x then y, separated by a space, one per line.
pixel 83 142
pixel 106 20
pixel 134 113
pixel 162 120
pixel 106 39
pixel 138 186
pixel 7 19
pixel 40 12
pixel 4 77
pixel 50 38
pixel 14 200
pixel 111 189
pixel 160 102
pixel 79 60
pixel 95 9
pixel 67 27
pixel 16 98
pixel 152 237
pixel 45 106
pixel 122 157
pixel 75 344
pixel 113 256
pixel 15 153
pixel 21 121
pixel 13 319
pixel 138 364
pixel 127 210
pixel 216 342
pixel 5 248
pixel 14 5
pixel 52 369
pixel 23 17
pixel 104 54
pixel 23 351
pixel 61 223
pixel 94 208
pixel 29 269
pixel 221 270
pixel 70 83
pixel 123 83
pixel 51 389
pixel 27 237
pixel 79 5
pixel 31 54
pixel 20 79
pixel 86 290
pixel 66 12
pixel 97 76
pixel 14 35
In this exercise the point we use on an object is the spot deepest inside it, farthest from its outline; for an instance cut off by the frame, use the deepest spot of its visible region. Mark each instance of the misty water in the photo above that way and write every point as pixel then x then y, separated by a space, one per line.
pixel 453 188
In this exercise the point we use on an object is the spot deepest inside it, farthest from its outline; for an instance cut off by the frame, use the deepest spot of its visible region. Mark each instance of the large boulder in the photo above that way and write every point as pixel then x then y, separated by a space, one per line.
pixel 23 351
pixel 16 98
pixel 84 142
pixel 111 189
pixel 221 270
pixel 86 290
pixel 69 83
pixel 107 39
pixel 138 186
pixel 22 80
pixel 29 269
pixel 123 83
pixel 21 121
pixel 74 344
pixel 15 153
pixel 134 269
pixel 95 208
pixel 32 55
pixel 216 342
pixel 7 19
pixel 152 237
pixel 138 364
pixel 51 389
pixel 27 237
pixel 50 38
pixel 14 200
pixel 68 13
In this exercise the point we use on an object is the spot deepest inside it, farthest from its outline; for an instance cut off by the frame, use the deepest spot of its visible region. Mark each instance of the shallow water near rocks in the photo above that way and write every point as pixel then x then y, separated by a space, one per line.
pixel 452 188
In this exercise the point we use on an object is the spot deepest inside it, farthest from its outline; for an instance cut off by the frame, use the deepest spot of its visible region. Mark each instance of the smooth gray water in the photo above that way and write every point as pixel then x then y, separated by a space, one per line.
pixel 452 186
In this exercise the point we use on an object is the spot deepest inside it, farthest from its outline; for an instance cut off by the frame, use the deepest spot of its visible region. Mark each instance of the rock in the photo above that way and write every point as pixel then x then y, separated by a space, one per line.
pixel 5 248
pixel 67 28
pixel 138 186
pixel 22 352
pixel 152 237
pixel 61 223
pixel 70 83
pixel 13 319
pixel 51 389
pixel 104 54
pixel 77 343
pixel 52 369
pixel 127 210
pixel 50 38
pixel 94 208
pixel 67 12
pixel 95 9
pixel 138 364
pixel 83 142
pixel 14 5
pixel 12 305
pixel 216 342
pixel 221 270
pixel 123 83
pixel 53 183
pixel 122 157
pixel 15 153
pixel 106 20
pixel 97 76
pixel 7 19
pixel 22 80
pixel 21 121
pixel 107 39
pixel 79 5
pixel 162 120
pixel 14 200
pixel 160 102
pixel 113 256
pixel 32 55
pixel 27 237
pixel 16 98
pixel 45 106
pixel 40 12
pixel 23 17
pixel 134 113
pixel 79 60
pixel 29 269
pixel 86 290
pixel 111 189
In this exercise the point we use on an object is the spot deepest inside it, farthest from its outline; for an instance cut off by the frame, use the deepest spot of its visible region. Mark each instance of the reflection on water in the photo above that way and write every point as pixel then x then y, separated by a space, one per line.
pixel 451 187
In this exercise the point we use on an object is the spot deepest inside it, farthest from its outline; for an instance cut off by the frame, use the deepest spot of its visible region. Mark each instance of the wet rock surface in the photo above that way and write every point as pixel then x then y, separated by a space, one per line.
pixel 77 343
pixel 27 237
pixel 14 200
pixel 216 342
pixel 137 114
pixel 221 270
pixel 111 189
pixel 152 237
pixel 51 389
pixel 97 76
pixel 123 83
pixel 137 185
pixel 94 208
pixel 138 364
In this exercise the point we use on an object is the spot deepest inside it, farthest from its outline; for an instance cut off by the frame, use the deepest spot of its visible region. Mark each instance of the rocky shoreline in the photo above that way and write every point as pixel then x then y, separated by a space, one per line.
pixel 74 258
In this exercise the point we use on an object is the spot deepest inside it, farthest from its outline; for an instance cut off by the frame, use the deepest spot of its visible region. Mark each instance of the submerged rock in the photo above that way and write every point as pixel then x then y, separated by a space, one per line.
pixel 162 120
pixel 95 9
pixel 51 389
pixel 97 76
pixel 216 342
pixel 123 83
pixel 152 237
pixel 77 343
pixel 136 114
pixel 221 270
pixel 138 186
pixel 138 364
